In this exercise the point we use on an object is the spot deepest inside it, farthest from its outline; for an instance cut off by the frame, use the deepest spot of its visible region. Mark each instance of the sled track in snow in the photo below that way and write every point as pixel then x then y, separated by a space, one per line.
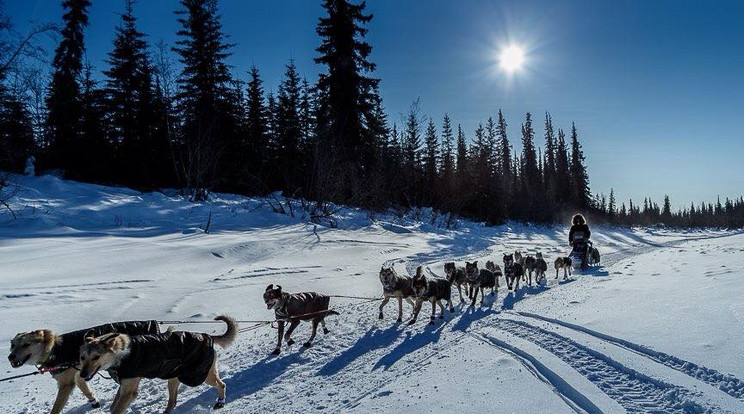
pixel 726 383
pixel 635 392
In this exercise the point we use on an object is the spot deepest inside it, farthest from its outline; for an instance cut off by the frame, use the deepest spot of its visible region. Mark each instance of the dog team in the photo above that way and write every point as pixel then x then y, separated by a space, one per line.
pixel 130 351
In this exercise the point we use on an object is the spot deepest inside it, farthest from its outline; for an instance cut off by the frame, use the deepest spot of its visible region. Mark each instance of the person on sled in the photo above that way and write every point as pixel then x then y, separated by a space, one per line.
pixel 578 238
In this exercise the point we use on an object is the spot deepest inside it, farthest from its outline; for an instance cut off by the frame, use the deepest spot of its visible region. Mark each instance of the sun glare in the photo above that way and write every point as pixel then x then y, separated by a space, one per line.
pixel 511 58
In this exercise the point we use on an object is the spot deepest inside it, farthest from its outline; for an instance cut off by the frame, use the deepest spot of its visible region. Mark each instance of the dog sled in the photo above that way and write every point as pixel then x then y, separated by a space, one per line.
pixel 582 246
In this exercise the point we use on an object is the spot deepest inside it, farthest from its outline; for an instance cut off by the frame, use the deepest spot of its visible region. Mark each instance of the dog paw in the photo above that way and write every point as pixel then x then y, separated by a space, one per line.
pixel 399 320
pixel 95 404
pixel 307 344
pixel 432 322
pixel 276 351
pixel 218 405
pixel 412 321
pixel 326 331
pixel 380 317
pixel 290 342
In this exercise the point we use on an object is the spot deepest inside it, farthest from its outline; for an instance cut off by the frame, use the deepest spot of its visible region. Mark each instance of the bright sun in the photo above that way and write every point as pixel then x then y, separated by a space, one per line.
pixel 511 58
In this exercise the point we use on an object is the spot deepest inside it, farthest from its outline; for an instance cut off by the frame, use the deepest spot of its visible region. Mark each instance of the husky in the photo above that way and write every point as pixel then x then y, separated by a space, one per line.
pixel 513 271
pixel 179 357
pixel 493 267
pixel 394 286
pixel 594 256
pixel 519 258
pixel 433 290
pixel 565 264
pixel 296 307
pixel 529 266
pixel 59 353
pixel 479 280
pixel 456 277
pixel 541 266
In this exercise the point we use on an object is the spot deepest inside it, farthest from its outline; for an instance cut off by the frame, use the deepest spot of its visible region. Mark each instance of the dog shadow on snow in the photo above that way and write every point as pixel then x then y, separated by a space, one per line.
pixel 246 382
pixel 374 338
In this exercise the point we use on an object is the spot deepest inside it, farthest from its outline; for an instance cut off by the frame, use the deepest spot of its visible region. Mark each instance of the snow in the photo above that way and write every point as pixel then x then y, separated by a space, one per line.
pixel 656 328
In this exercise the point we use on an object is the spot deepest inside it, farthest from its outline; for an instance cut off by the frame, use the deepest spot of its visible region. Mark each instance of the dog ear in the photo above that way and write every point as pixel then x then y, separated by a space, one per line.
pixel 110 341
pixel 475 263
pixel 89 336
pixel 270 287
pixel 279 288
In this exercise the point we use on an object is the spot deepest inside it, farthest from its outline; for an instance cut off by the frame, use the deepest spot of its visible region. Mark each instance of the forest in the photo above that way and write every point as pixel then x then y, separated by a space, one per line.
pixel 178 116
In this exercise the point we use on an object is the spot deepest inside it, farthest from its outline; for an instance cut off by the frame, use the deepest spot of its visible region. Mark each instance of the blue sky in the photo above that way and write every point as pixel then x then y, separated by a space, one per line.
pixel 655 87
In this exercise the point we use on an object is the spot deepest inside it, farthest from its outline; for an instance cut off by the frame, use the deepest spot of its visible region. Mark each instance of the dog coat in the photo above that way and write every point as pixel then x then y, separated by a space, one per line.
pixel 310 304
pixel 67 349
pixel 438 288
pixel 183 355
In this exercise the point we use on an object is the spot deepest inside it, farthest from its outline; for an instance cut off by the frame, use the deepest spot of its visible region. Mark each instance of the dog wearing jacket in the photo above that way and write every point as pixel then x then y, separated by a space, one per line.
pixel 179 357
pixel 296 307
pixel 60 354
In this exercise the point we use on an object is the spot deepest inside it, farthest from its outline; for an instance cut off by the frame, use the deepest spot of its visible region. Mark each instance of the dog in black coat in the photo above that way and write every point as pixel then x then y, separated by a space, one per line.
pixel 296 307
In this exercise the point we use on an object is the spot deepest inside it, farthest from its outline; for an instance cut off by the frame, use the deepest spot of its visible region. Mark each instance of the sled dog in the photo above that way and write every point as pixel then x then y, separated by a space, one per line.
pixel 594 256
pixel 456 277
pixel 565 264
pixel 296 307
pixel 433 290
pixel 529 266
pixel 394 286
pixel 61 353
pixel 479 279
pixel 541 266
pixel 495 269
pixel 513 271
pixel 179 357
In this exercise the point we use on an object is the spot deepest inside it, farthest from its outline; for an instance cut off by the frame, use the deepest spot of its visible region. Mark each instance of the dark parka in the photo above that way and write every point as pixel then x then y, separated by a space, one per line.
pixel 67 349
pixel 187 356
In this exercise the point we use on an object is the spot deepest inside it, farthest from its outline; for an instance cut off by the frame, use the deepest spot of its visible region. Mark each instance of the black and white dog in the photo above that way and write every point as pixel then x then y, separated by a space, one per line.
pixel 513 271
pixel 433 290
pixel 479 279
pixel 296 307
pixel 395 286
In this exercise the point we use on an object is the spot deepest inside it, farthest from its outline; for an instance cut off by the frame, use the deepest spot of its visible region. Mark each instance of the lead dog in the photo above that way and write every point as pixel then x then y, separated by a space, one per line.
pixel 479 280
pixel 513 271
pixel 179 357
pixel 456 277
pixel 594 256
pixel 47 350
pixel 565 264
pixel 296 307
pixel 394 286
pixel 433 290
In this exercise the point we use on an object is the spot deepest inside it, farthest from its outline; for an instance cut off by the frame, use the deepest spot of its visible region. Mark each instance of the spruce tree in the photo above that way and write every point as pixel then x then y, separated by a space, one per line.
pixel 579 177
pixel 289 132
pixel 431 160
pixel 63 100
pixel 255 143
pixel 562 170
pixel 549 168
pixel 462 160
pixel 447 165
pixel 206 100
pixel 350 91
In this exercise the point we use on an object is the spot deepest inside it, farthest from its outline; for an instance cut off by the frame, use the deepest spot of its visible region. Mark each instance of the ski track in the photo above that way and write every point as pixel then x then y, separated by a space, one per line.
pixel 724 382
pixel 636 392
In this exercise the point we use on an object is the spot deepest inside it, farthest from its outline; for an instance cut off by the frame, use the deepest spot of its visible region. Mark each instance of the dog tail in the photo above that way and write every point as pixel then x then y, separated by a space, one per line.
pixel 332 312
pixel 228 337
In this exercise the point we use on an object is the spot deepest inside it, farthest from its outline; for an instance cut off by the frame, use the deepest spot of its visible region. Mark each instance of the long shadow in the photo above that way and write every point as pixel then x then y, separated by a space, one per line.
pixel 412 342
pixel 513 298
pixel 373 339
pixel 474 313
pixel 246 382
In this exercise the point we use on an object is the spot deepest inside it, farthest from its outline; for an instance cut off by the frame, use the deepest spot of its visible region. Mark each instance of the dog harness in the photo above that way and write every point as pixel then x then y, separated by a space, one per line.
pixel 187 356
pixel 67 349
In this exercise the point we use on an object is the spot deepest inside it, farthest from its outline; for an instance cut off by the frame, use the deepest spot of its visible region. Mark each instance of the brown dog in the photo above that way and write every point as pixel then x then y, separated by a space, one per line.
pixel 60 354
pixel 179 357
pixel 296 307
pixel 565 264
pixel 395 286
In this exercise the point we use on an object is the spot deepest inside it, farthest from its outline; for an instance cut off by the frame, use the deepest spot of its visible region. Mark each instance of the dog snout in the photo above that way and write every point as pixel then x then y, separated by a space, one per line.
pixel 11 357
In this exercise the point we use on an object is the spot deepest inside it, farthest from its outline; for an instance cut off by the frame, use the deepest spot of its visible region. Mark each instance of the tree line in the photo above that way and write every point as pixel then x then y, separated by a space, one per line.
pixel 152 123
